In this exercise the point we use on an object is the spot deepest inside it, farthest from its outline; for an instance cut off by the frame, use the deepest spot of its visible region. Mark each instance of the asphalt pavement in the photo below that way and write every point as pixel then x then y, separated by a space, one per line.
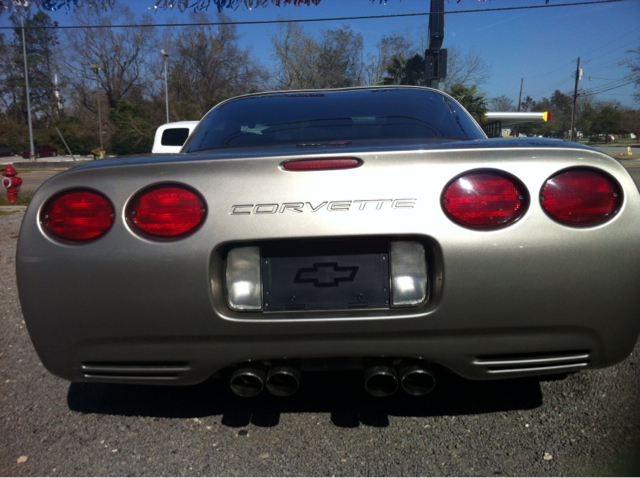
pixel 586 424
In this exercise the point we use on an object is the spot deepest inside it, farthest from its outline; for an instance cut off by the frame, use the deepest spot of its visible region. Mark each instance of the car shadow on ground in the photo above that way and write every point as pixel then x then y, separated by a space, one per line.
pixel 339 393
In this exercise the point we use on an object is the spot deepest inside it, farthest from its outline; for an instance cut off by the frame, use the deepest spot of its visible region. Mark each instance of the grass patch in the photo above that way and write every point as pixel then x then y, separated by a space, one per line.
pixel 23 200
pixel 625 156
pixel 6 213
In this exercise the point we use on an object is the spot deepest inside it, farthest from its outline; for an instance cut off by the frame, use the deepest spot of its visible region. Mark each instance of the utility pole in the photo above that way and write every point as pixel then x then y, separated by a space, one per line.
pixel 435 59
pixel 32 157
pixel 519 103
pixel 165 56
pixel 96 68
pixel 575 101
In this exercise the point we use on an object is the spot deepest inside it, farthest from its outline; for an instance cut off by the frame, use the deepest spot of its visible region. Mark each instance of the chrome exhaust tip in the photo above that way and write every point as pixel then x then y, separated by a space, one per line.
pixel 247 380
pixel 381 380
pixel 283 381
pixel 416 378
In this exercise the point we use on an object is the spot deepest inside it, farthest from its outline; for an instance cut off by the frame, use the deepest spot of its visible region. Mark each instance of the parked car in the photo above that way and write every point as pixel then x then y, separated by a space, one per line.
pixel 6 150
pixel 170 137
pixel 41 151
pixel 364 228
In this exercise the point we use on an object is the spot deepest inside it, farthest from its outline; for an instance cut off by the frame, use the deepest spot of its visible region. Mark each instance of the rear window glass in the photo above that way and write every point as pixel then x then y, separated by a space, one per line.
pixel 174 136
pixel 328 116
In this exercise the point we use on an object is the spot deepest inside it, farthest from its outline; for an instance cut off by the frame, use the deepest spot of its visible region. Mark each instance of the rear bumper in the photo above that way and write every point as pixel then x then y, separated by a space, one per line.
pixel 482 355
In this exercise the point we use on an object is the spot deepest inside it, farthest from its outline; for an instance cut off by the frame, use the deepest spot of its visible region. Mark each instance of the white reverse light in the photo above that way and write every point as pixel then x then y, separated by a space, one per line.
pixel 243 279
pixel 408 273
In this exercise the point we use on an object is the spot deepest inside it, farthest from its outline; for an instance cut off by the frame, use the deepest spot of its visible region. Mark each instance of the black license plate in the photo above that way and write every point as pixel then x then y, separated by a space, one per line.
pixel 328 275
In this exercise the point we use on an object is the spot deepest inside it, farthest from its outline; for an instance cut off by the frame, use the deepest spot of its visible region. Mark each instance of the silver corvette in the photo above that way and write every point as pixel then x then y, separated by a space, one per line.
pixel 366 228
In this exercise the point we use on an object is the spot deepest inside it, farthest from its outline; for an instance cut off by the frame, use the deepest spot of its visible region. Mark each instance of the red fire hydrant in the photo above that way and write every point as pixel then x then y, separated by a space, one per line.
pixel 12 182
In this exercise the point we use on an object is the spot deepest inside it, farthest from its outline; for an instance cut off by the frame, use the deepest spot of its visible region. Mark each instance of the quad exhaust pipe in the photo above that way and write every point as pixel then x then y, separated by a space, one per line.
pixel 414 376
pixel 283 381
pixel 381 379
pixel 250 379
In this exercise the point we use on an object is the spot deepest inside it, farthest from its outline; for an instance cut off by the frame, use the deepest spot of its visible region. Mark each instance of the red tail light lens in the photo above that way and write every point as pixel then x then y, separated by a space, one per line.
pixel 167 211
pixel 78 215
pixel 485 199
pixel 581 197
pixel 321 164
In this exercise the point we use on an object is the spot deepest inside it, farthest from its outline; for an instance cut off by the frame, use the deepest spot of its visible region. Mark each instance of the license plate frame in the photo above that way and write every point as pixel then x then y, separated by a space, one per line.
pixel 327 275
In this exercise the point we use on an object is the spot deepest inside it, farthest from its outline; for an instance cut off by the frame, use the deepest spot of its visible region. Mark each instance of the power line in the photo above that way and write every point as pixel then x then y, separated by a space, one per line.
pixel 609 89
pixel 606 86
pixel 607 66
pixel 606 79
pixel 608 43
pixel 615 49
pixel 308 20
pixel 588 53
pixel 547 73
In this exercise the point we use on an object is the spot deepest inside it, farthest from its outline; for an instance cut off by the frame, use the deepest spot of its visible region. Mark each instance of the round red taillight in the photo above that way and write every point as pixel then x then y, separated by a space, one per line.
pixel 484 199
pixel 581 197
pixel 166 211
pixel 78 215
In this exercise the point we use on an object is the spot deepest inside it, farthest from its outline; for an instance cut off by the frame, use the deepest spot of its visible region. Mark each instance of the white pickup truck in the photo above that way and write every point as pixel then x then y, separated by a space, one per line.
pixel 171 137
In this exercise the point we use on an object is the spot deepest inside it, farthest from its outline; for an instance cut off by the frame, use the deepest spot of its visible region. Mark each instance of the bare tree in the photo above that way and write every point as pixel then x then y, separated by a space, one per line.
pixel 633 64
pixel 298 56
pixel 394 45
pixel 121 51
pixel 465 68
pixel 501 103
pixel 333 61
pixel 340 58
pixel 208 65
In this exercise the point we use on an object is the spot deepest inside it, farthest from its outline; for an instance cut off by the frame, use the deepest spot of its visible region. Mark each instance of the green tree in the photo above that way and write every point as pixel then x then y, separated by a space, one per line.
pixel 401 71
pixel 474 102
pixel 40 44
pixel 559 105
pixel 527 104
pixel 134 133
pixel 462 68
pixel 631 122
pixel 606 118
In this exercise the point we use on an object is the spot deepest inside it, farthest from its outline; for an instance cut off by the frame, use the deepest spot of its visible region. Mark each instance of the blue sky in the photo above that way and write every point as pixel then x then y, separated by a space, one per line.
pixel 539 45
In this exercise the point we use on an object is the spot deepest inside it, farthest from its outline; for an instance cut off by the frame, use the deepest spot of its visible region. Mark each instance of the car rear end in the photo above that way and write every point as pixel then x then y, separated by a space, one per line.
pixel 367 265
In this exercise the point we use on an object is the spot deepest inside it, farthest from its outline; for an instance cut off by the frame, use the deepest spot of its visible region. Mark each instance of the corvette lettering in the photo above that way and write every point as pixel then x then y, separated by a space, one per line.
pixel 329 206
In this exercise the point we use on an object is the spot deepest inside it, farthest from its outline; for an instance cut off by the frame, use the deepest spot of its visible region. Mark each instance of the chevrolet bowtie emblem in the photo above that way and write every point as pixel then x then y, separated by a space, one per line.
pixel 326 274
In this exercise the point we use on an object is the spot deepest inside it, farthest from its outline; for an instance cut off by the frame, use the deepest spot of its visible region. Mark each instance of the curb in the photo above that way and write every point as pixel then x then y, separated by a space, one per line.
pixel 13 208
